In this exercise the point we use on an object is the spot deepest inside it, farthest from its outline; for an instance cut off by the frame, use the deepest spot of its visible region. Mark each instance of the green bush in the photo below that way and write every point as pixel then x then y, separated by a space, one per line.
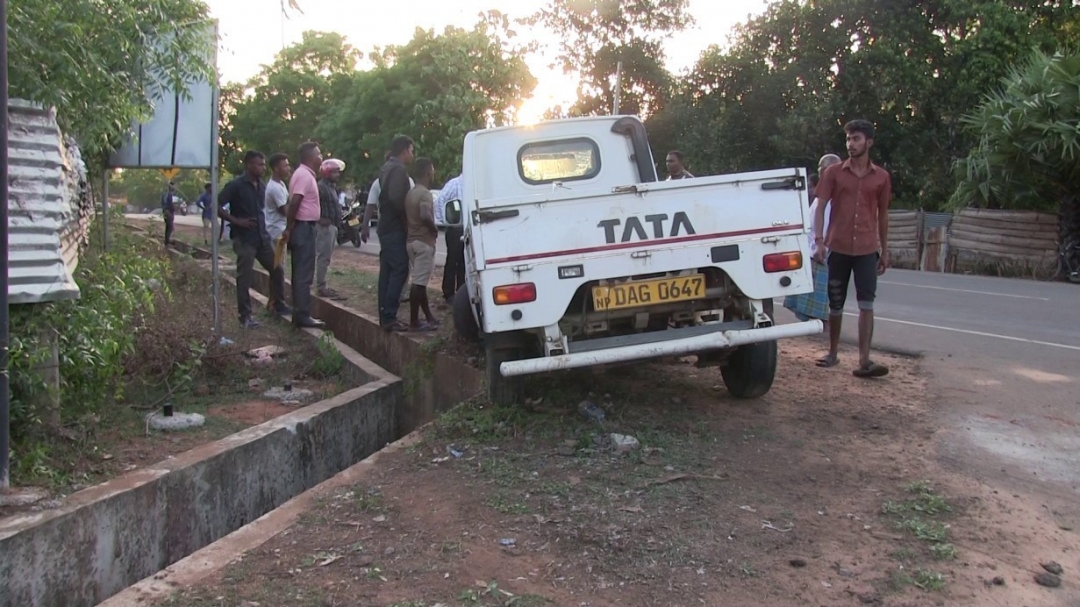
pixel 95 333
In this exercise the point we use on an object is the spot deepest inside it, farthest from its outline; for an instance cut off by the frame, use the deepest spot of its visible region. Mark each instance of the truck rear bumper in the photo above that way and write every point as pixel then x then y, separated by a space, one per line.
pixel 675 347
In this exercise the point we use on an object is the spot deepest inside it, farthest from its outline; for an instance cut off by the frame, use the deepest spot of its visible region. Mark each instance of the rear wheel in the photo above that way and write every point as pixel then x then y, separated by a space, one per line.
pixel 750 370
pixel 464 321
pixel 502 391
pixel 354 236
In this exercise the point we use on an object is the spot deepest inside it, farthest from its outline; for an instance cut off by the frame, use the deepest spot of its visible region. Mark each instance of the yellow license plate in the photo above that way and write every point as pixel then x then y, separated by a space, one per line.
pixel 649 292
pixel 354 221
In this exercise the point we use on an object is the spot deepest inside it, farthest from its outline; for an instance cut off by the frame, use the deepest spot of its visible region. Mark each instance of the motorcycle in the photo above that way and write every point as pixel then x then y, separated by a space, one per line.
pixel 350 225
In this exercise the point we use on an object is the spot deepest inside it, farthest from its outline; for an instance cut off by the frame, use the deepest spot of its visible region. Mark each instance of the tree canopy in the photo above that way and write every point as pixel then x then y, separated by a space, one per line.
pixel 100 64
pixel 596 35
pixel 791 77
pixel 436 89
pixel 1028 152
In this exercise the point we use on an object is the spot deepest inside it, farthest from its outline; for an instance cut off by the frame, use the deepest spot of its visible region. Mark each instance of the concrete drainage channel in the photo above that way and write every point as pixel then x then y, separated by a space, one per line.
pixel 110 536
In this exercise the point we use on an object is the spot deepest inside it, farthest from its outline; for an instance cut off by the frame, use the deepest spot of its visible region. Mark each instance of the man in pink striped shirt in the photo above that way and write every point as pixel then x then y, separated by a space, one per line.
pixel 303 215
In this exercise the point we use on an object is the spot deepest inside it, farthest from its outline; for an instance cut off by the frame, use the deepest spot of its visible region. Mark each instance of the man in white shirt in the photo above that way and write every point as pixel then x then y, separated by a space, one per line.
pixel 277 196
pixel 454 271
pixel 815 305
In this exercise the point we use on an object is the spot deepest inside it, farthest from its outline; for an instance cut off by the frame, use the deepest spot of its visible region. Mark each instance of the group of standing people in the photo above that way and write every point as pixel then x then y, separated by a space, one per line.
pixel 294 209
pixel 407 232
pixel 301 209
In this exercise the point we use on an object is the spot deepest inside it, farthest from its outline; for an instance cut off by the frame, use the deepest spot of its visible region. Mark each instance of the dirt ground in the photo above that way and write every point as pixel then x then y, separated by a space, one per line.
pixel 824 492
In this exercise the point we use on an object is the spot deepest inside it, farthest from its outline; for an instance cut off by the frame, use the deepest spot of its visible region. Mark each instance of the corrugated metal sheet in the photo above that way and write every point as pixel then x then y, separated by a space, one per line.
pixel 49 207
pixel 936 220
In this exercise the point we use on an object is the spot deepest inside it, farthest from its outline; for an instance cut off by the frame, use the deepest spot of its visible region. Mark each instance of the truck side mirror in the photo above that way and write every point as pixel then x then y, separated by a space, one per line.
pixel 452 213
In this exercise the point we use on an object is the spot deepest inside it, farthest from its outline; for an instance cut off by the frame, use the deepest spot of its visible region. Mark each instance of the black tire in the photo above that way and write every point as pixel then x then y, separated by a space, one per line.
pixel 354 236
pixel 464 321
pixel 750 370
pixel 502 391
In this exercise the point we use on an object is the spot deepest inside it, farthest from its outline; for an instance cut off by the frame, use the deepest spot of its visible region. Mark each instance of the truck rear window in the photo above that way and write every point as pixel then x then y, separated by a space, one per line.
pixel 563 160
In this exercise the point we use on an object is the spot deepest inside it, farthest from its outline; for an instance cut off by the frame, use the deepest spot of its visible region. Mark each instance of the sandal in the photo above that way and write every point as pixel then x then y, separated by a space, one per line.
pixel 871 369
pixel 423 328
pixel 827 361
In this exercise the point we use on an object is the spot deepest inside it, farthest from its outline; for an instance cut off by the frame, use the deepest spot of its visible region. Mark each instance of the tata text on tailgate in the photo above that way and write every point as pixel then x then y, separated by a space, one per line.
pixel 576 256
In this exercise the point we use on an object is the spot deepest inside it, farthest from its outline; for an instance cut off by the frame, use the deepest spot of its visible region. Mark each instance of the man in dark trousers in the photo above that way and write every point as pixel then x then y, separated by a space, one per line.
pixel 168 211
pixel 858 192
pixel 393 256
pixel 454 271
pixel 303 215
pixel 251 242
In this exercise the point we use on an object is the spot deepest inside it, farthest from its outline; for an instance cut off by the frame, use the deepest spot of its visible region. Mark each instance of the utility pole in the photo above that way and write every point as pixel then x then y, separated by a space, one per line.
pixel 618 87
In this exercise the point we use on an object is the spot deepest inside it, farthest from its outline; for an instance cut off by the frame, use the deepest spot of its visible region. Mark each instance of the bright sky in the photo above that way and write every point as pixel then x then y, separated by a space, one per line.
pixel 252 33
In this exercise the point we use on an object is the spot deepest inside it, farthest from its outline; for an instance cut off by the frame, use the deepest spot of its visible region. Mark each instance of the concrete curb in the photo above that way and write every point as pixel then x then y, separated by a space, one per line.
pixel 192 569
pixel 105 537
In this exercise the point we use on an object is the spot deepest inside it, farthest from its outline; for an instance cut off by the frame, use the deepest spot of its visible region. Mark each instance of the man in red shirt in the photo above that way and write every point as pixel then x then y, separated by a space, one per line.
pixel 857 239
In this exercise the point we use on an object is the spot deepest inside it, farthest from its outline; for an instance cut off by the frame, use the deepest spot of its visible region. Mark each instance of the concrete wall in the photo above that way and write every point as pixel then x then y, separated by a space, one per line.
pixel 109 536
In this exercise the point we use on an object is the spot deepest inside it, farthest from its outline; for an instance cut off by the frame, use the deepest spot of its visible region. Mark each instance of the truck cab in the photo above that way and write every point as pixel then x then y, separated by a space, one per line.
pixel 576 255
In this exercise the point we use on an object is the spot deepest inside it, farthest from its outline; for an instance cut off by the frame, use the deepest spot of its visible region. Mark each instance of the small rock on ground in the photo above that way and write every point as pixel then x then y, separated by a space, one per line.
pixel 178 421
pixel 797 563
pixel 624 443
pixel 1047 579
pixel 1053 567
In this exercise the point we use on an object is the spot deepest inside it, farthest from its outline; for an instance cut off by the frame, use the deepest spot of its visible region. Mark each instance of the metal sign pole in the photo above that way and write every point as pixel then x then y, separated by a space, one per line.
pixel 214 177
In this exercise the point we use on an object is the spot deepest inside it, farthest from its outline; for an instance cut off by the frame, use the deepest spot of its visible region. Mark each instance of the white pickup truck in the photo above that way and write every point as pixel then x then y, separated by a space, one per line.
pixel 576 255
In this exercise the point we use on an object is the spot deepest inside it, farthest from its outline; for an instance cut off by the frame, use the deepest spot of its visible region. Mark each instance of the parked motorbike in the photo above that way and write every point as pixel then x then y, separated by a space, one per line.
pixel 350 225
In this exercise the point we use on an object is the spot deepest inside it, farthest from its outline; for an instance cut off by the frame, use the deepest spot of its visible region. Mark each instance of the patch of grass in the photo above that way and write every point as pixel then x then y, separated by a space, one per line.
pixel 943 552
pixel 898 581
pixel 930 581
pixel 904 555
pixel 928 531
pixel 503 503
pixel 329 360
pixel 480 422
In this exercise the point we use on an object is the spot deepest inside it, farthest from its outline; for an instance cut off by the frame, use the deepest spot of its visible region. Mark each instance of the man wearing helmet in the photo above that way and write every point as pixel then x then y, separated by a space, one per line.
pixel 329 220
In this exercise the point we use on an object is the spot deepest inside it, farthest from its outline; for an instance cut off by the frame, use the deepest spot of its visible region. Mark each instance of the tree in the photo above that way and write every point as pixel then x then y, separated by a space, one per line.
pixel 791 77
pixel 436 89
pixel 1028 156
pixel 598 34
pixel 100 64
pixel 286 102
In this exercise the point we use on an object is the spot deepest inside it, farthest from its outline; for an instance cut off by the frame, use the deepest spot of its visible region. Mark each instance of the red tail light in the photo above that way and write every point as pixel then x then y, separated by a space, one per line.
pixel 515 294
pixel 782 262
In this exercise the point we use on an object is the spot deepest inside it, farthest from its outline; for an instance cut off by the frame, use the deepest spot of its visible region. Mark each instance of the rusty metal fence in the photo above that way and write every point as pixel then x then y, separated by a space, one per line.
pixel 981 241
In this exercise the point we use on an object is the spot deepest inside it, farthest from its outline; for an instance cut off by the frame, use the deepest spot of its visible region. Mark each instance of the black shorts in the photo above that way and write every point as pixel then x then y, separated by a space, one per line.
pixel 841 267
